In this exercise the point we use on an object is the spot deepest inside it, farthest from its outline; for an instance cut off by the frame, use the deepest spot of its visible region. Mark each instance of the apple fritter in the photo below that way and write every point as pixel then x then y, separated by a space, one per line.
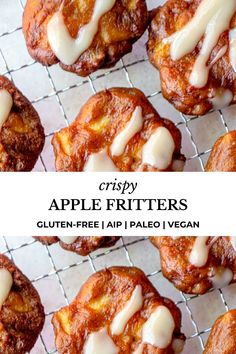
pixel 196 264
pixel 223 154
pixel 83 36
pixel 222 339
pixel 192 43
pixel 118 130
pixel 119 311
pixel 21 312
pixel 82 245
pixel 21 133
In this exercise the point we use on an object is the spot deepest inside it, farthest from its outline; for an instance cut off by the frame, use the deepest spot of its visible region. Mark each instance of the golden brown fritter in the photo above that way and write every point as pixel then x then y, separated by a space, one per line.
pixel 168 19
pixel 22 135
pixel 118 30
pixel 223 154
pixel 222 339
pixel 100 299
pixel 176 267
pixel 22 314
pixel 98 123
pixel 83 245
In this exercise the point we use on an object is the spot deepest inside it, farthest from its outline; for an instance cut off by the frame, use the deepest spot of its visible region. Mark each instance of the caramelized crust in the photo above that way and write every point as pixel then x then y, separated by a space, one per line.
pixel 222 339
pixel 176 267
pixel 168 19
pixel 100 120
pixel 22 314
pixel 118 30
pixel 83 245
pixel 99 300
pixel 22 135
pixel 223 154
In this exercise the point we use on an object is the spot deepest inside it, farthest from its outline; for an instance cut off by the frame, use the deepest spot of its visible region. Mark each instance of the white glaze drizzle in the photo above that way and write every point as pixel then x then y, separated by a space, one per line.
pixel 222 277
pixel 223 97
pixel 6 103
pixel 6 282
pixel 68 239
pixel 211 19
pixel 199 254
pixel 158 150
pixel 200 251
pixel 159 328
pixel 100 162
pixel 232 51
pixel 100 342
pixel 134 304
pixel 68 49
pixel 133 127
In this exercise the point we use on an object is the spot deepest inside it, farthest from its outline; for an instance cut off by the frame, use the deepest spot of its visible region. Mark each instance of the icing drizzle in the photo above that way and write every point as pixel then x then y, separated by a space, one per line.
pixel 66 48
pixel 100 162
pixel 132 306
pixel 6 282
pixel 156 331
pixel 133 126
pixel 222 277
pixel 211 19
pixel 6 103
pixel 100 342
pixel 159 328
pixel 68 239
pixel 223 97
pixel 200 251
pixel 158 150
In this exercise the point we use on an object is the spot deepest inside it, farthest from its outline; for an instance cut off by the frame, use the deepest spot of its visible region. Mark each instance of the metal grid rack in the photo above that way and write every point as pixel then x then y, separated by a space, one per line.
pixel 64 272
pixel 64 93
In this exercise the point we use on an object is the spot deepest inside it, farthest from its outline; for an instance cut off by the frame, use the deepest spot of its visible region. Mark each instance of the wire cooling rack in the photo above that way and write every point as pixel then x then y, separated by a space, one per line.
pixel 58 274
pixel 58 96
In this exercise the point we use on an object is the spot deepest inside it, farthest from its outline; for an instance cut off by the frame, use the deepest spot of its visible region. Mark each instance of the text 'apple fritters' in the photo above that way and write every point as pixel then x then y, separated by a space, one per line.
pixel 119 311
pixel 119 130
pixel 193 44
pixel 82 245
pixel 21 133
pixel 21 312
pixel 196 264
pixel 83 36
pixel 222 339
